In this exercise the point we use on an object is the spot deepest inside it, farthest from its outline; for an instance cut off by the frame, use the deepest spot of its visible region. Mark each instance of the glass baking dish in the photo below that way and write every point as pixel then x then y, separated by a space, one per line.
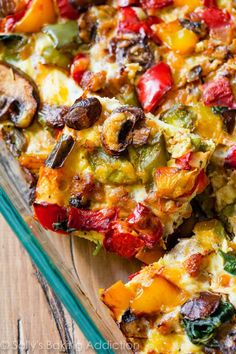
pixel 67 262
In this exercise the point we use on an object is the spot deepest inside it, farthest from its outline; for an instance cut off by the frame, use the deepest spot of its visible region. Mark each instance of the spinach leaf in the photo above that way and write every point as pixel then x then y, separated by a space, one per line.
pixel 202 331
pixel 10 37
pixel 229 262
pixel 62 226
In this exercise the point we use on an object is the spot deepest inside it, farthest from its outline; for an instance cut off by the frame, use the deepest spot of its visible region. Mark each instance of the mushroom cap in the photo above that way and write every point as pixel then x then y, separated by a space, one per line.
pixel 117 129
pixel 18 95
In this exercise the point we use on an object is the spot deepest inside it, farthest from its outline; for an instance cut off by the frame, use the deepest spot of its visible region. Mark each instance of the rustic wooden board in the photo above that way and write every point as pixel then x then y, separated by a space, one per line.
pixel 31 315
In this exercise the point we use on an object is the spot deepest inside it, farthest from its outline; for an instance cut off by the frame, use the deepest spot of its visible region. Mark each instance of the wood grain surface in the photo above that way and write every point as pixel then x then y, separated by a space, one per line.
pixel 32 319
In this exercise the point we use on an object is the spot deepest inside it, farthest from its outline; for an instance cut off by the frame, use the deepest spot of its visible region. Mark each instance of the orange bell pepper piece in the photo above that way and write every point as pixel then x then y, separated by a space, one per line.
pixel 32 162
pixel 174 183
pixel 160 295
pixel 117 298
pixel 177 38
pixel 40 12
pixel 191 4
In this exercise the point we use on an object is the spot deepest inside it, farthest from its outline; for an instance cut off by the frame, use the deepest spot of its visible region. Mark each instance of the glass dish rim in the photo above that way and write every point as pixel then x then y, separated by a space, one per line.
pixel 52 274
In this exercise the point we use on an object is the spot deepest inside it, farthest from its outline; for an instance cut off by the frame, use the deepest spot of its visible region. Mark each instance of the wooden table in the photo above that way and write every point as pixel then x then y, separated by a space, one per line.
pixel 32 319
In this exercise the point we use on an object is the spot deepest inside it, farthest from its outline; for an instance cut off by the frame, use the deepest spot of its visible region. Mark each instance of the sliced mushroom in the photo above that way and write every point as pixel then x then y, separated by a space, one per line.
pixel 84 4
pixel 87 27
pixel 201 307
pixel 132 48
pixel 7 7
pixel 81 187
pixel 228 344
pixel 197 27
pixel 84 113
pixel 117 130
pixel 60 152
pixel 140 136
pixel 229 117
pixel 14 139
pixel 53 116
pixel 18 96
pixel 4 107
pixel 194 74
pixel 134 327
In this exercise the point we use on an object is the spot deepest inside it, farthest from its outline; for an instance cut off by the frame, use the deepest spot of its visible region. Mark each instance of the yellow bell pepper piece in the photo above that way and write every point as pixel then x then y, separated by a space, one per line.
pixel 191 4
pixel 160 295
pixel 173 183
pixel 39 13
pixel 208 125
pixel 117 298
pixel 177 38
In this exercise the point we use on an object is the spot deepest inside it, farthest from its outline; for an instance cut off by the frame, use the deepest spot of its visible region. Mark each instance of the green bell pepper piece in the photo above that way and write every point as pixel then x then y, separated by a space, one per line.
pixel 110 170
pixel 63 35
pixel 179 116
pixel 148 157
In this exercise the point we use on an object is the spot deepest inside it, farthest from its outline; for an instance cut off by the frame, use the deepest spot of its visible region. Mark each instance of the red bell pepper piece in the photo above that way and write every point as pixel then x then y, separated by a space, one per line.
pixel 87 220
pixel 156 4
pixel 230 160
pixel 125 3
pixel 214 17
pixel 146 27
pixel 200 184
pixel 146 224
pixel 9 21
pixel 218 93
pixel 209 3
pixel 78 67
pixel 153 85
pixel 121 241
pixel 129 22
pixel 50 214
pixel 67 10
pixel 184 161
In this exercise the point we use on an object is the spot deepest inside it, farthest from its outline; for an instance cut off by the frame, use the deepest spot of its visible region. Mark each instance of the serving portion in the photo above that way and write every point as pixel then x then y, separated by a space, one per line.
pixel 122 117
pixel 183 303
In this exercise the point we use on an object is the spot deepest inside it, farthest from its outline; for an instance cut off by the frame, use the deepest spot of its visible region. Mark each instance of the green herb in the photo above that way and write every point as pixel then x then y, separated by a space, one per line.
pixel 229 262
pixel 203 331
pixel 218 109
pixel 97 249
